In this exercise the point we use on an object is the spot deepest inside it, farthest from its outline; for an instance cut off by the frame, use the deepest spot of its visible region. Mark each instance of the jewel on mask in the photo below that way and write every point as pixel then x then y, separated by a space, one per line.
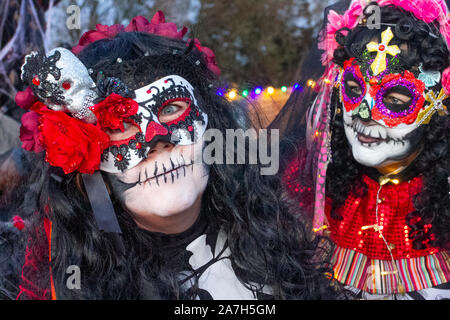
pixel 373 81
pixel 66 85
pixel 430 78
pixel 383 48
pixel 36 81
pixel 108 85
pixel 119 60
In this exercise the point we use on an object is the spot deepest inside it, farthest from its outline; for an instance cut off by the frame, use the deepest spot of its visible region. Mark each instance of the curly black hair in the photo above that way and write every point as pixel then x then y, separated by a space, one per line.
pixel 268 244
pixel 420 44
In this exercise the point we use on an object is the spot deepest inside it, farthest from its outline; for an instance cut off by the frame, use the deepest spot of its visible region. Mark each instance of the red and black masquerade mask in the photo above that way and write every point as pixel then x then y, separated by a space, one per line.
pixel 74 112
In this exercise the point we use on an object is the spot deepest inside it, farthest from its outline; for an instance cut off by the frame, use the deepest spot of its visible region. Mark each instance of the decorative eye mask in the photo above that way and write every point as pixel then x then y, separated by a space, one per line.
pixel 63 85
pixel 377 97
pixel 153 99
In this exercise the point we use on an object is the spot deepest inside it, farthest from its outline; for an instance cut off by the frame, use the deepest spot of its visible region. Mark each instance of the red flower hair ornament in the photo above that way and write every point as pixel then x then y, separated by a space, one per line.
pixel 69 143
pixel 157 26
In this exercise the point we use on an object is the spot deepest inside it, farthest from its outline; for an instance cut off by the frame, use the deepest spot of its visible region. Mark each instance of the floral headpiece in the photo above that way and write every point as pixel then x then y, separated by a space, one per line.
pixel 157 26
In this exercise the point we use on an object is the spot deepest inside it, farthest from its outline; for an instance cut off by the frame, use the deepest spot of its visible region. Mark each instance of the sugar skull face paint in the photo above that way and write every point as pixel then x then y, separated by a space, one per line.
pixel 166 184
pixel 381 113
pixel 169 111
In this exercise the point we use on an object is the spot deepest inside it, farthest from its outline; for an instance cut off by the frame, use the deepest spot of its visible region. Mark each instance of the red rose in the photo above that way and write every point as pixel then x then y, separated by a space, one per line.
pixel 100 32
pixel 209 56
pixel 29 132
pixel 25 99
pixel 157 25
pixel 114 110
pixel 71 144
pixel 18 223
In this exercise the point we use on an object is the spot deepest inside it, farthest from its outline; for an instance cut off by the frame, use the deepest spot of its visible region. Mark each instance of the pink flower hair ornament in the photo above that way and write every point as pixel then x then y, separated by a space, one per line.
pixel 425 10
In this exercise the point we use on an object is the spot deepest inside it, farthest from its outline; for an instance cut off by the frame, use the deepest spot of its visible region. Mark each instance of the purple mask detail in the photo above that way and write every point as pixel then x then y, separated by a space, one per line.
pixel 385 110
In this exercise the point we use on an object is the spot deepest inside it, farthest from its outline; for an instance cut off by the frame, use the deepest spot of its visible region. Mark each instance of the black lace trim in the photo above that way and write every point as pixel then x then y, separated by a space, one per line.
pixel 175 91
pixel 107 85
pixel 122 153
pixel 35 72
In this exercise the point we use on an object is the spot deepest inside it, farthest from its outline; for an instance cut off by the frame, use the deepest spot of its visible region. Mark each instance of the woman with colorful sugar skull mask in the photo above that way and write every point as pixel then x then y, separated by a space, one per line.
pixel 183 229
pixel 377 136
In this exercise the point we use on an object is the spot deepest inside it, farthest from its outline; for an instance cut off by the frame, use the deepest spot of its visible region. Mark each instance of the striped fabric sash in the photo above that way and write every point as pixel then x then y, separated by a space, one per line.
pixel 379 276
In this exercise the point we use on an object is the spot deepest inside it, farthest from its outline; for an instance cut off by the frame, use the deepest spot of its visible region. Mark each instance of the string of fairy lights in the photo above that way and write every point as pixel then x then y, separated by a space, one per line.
pixel 258 91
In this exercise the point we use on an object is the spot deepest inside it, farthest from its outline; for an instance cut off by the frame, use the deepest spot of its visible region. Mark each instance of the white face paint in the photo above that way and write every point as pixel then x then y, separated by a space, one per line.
pixel 373 144
pixel 380 117
pixel 168 182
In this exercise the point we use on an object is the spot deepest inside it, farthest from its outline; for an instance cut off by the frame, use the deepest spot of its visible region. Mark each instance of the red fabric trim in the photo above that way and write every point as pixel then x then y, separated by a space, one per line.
pixel 36 261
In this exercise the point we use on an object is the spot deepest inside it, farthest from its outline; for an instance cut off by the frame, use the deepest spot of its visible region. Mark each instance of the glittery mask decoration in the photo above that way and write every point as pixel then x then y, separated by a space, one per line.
pixel 369 100
pixel 352 72
pixel 429 78
pixel 382 49
pixel 436 104
pixel 61 81
pixel 394 114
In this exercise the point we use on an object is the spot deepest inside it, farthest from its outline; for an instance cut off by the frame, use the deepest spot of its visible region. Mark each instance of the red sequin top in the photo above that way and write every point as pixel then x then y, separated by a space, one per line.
pixel 394 204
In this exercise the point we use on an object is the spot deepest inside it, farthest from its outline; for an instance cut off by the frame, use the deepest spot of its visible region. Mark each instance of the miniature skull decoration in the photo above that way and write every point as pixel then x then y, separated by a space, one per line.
pixel 61 81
